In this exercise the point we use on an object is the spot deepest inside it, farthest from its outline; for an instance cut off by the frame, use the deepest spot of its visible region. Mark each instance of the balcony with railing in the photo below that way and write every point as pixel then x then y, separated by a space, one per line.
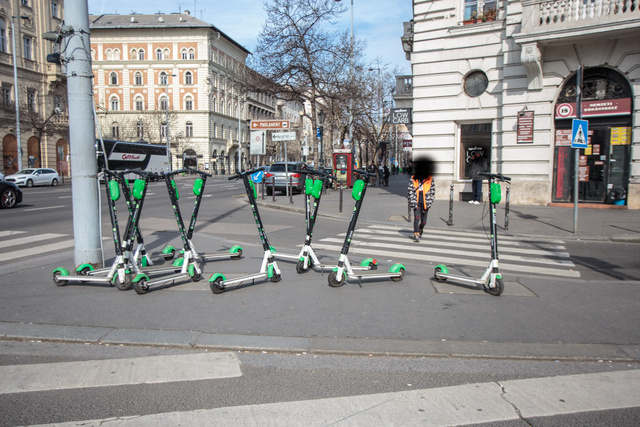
pixel 549 21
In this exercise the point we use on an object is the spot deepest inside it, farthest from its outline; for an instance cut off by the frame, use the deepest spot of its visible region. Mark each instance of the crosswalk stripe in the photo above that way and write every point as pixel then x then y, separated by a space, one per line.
pixel 30 239
pixel 10 233
pixel 449 261
pixel 485 254
pixel 113 372
pixel 518 248
pixel 39 250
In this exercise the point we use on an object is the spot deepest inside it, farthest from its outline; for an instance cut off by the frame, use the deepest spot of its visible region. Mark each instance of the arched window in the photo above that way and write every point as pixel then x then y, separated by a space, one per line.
pixel 116 54
pixel 159 54
pixel 114 103
pixel 188 78
pixel 113 78
pixel 141 55
pixel 164 78
pixel 109 55
pixel 166 54
pixel 164 103
pixel 189 130
pixel 137 78
pixel 214 104
pixel 133 54
pixel 138 103
pixel 184 54
pixel 93 52
pixel 188 102
pixel 192 53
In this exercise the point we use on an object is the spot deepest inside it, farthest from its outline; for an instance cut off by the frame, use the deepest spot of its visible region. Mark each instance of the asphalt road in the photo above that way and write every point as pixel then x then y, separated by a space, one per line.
pixel 581 320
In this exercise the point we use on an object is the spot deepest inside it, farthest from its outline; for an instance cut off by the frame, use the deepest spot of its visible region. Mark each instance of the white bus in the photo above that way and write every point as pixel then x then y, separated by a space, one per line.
pixel 122 155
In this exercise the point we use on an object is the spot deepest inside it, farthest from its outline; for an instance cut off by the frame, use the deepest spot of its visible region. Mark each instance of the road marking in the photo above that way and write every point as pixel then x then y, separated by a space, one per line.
pixel 38 250
pixel 477 403
pixel 113 372
pixel 30 239
pixel 10 233
pixel 42 209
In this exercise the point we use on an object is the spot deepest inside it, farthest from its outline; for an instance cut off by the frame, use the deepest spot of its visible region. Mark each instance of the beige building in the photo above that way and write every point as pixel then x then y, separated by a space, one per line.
pixel 41 89
pixel 171 76
pixel 500 78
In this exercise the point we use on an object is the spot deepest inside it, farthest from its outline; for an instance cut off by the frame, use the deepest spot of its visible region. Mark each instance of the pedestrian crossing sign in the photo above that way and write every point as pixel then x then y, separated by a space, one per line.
pixel 579 134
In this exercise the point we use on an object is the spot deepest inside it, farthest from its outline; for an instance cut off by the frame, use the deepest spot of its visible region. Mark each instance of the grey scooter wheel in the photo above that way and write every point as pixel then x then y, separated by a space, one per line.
pixel 333 279
pixel 216 286
pixel 141 287
pixel 437 278
pixel 497 291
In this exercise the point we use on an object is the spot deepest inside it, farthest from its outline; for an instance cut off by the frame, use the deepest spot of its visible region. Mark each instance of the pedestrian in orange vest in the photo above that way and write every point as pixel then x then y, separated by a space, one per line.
pixel 421 193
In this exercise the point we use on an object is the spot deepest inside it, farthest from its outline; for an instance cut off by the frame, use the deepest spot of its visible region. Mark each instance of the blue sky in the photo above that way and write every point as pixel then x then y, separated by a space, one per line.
pixel 379 22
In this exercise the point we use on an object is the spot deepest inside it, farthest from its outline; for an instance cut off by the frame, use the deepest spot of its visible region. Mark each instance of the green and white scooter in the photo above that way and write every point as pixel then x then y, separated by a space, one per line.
pixel 307 259
pixel 491 280
pixel 235 252
pixel 121 270
pixel 269 267
pixel 344 272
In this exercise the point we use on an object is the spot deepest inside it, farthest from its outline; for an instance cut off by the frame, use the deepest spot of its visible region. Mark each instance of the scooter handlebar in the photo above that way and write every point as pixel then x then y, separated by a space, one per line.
pixel 497 176
pixel 175 172
pixel 201 173
pixel 310 171
pixel 364 172
pixel 240 174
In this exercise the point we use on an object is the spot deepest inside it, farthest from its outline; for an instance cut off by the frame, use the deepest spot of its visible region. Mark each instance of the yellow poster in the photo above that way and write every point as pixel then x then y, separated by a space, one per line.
pixel 621 136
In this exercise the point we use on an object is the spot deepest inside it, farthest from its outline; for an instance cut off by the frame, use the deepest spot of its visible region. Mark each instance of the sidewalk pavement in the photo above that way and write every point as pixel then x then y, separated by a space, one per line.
pixel 388 205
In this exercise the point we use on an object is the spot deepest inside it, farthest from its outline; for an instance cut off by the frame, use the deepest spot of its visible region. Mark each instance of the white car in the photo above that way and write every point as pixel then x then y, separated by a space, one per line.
pixel 34 176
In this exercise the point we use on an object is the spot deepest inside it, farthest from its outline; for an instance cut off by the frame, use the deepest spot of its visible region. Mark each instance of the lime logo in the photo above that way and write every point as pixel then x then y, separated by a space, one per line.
pixel 565 110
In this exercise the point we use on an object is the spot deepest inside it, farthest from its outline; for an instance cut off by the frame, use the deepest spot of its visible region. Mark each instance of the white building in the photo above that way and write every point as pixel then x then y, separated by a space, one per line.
pixel 501 77
pixel 144 65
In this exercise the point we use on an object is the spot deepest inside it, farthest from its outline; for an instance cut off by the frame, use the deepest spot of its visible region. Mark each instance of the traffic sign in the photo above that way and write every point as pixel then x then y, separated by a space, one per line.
pixel 257 145
pixel 579 134
pixel 257 177
pixel 270 124
pixel 283 136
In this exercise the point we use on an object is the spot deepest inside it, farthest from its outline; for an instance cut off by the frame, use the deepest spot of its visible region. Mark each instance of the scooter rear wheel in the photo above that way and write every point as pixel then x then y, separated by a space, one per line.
pixel 126 285
pixel 237 255
pixel 216 286
pixel 141 287
pixel 497 290
pixel 399 278
pixel 56 279
pixel 436 277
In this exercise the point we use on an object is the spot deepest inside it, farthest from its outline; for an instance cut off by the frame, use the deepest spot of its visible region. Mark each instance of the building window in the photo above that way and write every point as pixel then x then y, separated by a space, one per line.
pixel 188 103
pixel 24 2
pixel 116 55
pixel 477 9
pixel 159 54
pixel 189 130
pixel 475 83
pixel 139 103
pixel 183 54
pixel 134 54
pixel 164 104
pixel 141 55
pixel 6 95
pixel 3 35
pixel 57 101
pixel 137 79
pixel 115 130
pixel 214 104
pixel 26 47
pixel 31 100
pixel 113 78
pixel 474 138
pixel 192 54
pixel 114 104
pixel 164 78
pixel 140 130
pixel 188 78
pixel 55 9
pixel 163 130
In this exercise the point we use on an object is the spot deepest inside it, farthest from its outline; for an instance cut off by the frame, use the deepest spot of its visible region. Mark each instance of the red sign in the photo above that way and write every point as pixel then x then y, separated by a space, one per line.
pixel 270 124
pixel 607 107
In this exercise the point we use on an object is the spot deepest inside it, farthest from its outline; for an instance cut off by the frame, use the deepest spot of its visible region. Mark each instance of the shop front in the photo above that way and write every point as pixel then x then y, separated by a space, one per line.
pixel 604 166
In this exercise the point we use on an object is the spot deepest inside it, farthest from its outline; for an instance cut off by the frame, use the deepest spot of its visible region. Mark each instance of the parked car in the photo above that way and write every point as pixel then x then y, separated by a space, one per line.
pixel 1 176
pixel 280 178
pixel 35 176
pixel 10 194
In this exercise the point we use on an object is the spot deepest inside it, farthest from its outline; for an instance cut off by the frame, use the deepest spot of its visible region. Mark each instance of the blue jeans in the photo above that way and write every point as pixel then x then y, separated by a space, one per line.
pixel 476 187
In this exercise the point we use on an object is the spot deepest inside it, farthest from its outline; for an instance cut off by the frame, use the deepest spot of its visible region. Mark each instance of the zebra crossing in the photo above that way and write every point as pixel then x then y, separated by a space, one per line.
pixel 459 248
pixel 17 244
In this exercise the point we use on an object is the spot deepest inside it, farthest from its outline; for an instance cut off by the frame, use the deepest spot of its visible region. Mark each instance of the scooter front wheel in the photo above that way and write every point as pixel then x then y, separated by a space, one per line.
pixel 300 267
pixel 333 279
pixel 497 290
pixel 126 285
pixel 216 286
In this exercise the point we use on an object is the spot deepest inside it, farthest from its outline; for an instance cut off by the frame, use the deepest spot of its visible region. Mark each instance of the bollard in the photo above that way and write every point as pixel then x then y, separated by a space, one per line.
pixel 506 210
pixel 273 188
pixel 450 222
pixel 262 185
pixel 290 189
pixel 340 204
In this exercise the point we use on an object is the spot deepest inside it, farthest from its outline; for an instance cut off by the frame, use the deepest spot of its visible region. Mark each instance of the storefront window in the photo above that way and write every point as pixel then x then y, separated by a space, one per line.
pixel 474 138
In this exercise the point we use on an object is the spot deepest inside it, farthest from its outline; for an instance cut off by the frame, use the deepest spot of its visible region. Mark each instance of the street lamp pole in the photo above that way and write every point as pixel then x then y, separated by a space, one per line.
pixel 15 87
pixel 321 116
pixel 166 88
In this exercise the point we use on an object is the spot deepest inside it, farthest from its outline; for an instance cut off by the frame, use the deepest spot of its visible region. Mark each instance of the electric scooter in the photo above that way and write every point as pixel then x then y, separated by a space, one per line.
pixel 235 252
pixel 491 280
pixel 344 272
pixel 307 258
pixel 269 268
pixel 120 272
pixel 187 265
